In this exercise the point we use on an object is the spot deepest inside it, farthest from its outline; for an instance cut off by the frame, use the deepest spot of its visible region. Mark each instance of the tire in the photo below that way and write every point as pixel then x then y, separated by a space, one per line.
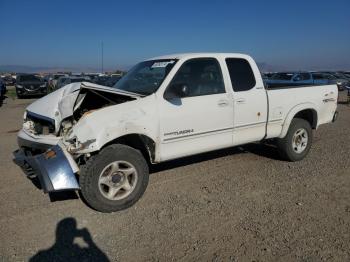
pixel 94 174
pixel 294 151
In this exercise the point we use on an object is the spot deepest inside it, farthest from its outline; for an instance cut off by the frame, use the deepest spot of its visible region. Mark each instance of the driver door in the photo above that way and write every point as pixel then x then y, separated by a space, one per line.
pixel 199 117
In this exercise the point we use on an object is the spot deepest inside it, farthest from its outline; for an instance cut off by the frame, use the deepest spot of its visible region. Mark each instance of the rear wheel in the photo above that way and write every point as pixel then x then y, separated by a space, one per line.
pixel 297 143
pixel 114 179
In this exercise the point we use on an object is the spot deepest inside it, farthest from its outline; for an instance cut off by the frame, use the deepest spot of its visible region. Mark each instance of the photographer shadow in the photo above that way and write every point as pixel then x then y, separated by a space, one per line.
pixel 65 248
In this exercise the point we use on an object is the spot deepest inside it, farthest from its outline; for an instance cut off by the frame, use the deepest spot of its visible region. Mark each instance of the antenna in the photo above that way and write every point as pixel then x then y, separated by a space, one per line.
pixel 102 57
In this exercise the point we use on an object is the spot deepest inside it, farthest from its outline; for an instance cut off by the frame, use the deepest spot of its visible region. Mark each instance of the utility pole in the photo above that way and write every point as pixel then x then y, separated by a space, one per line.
pixel 102 57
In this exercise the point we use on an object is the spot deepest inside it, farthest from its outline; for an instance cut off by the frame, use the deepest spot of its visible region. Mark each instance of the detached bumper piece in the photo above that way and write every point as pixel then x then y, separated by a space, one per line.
pixel 53 169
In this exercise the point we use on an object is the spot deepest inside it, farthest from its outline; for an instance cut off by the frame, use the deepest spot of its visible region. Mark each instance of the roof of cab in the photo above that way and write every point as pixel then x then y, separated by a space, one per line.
pixel 196 55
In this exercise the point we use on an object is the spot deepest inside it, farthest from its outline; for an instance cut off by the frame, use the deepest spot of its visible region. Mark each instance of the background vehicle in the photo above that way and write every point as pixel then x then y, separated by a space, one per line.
pixel 101 80
pixel 47 78
pixel 54 78
pixel 341 75
pixel 113 80
pixel 92 76
pixel 164 108
pixel 2 89
pixel 340 80
pixel 294 79
pixel 62 81
pixel 107 80
pixel 9 80
pixel 29 84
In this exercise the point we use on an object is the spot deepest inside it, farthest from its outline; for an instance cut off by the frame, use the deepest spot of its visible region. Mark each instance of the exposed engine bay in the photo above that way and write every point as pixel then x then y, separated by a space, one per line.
pixel 88 101
pixel 84 101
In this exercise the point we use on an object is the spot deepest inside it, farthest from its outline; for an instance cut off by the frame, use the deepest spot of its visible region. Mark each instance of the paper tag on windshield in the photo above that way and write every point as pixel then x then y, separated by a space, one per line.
pixel 162 64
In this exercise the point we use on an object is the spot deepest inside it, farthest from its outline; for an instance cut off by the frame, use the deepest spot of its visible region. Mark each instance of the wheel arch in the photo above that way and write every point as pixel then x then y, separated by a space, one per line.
pixel 141 142
pixel 307 112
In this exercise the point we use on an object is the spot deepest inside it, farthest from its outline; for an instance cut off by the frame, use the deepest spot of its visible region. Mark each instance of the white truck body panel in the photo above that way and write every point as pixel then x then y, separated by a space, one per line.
pixel 286 103
pixel 190 125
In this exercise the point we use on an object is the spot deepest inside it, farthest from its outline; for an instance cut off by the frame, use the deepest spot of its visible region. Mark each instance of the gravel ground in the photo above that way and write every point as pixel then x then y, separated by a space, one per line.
pixel 241 204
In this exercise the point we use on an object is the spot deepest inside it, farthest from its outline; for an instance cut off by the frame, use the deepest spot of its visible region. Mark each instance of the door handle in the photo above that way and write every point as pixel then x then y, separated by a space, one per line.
pixel 240 101
pixel 222 102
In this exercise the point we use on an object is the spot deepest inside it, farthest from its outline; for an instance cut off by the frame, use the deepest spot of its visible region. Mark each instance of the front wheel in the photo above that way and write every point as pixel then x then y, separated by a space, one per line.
pixel 297 143
pixel 114 179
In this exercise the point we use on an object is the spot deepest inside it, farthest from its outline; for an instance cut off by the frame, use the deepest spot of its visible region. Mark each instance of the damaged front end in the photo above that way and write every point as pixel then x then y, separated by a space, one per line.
pixel 46 141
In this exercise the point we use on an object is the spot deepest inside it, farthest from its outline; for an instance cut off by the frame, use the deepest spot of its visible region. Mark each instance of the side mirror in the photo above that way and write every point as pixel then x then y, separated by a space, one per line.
pixel 176 91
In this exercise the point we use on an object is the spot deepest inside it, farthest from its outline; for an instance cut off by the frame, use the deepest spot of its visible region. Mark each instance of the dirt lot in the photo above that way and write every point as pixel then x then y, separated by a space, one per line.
pixel 242 204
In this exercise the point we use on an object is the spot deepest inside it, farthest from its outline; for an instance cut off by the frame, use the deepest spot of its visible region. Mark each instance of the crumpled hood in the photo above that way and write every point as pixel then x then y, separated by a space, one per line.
pixel 97 128
pixel 48 105
pixel 59 104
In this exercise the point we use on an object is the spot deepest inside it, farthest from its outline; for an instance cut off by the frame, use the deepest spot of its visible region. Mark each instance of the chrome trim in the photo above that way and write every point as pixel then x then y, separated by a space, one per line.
pixel 253 124
pixel 275 120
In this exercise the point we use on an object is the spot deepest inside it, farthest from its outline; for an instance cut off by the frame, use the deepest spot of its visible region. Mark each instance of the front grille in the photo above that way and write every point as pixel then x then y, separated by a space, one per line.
pixel 31 87
pixel 42 125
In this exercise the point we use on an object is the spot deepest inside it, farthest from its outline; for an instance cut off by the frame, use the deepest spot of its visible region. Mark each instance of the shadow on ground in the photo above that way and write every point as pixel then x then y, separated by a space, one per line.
pixel 266 150
pixel 66 248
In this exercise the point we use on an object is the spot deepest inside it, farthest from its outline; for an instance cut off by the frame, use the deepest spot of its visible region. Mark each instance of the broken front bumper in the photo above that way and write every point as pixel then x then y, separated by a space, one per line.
pixel 30 141
pixel 55 168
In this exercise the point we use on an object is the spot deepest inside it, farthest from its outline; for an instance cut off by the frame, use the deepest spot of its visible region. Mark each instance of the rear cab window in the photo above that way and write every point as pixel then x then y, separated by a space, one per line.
pixel 241 74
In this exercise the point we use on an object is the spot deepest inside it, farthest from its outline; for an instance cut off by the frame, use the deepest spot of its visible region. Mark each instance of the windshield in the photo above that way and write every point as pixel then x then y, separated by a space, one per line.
pixel 146 77
pixel 57 76
pixel 31 78
pixel 75 80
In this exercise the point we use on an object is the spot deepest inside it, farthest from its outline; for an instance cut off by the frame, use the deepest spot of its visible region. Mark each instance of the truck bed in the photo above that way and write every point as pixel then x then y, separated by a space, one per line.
pixel 283 100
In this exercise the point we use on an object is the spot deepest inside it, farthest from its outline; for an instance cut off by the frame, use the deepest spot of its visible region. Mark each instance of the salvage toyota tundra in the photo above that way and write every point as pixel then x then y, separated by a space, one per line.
pixel 101 140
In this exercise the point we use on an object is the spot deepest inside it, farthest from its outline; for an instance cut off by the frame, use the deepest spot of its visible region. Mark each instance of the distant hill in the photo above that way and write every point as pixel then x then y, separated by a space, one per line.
pixel 36 69
pixel 264 67
pixel 19 69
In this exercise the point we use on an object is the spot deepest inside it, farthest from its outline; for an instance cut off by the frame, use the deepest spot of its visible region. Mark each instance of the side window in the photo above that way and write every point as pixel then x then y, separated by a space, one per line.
pixel 301 77
pixel 297 77
pixel 202 76
pixel 317 76
pixel 304 76
pixel 241 74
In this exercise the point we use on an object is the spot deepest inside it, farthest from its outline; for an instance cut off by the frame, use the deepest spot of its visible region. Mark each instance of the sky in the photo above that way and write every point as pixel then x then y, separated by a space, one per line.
pixel 295 34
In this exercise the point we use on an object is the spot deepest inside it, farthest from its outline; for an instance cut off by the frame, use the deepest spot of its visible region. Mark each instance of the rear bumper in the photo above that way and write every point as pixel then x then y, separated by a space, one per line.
pixel 55 168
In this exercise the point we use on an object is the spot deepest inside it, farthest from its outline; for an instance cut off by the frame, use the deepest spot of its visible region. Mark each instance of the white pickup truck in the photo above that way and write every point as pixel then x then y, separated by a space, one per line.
pixel 101 140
